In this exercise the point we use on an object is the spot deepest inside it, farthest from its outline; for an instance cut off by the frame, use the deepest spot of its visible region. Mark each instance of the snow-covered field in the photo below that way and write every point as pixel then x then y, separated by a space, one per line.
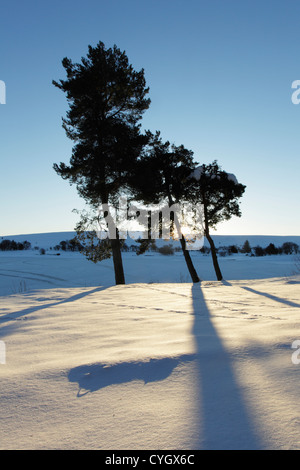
pixel 158 363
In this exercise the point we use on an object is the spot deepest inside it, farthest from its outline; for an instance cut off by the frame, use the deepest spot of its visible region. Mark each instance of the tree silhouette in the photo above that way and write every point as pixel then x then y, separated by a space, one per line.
pixel 219 193
pixel 106 98
pixel 162 175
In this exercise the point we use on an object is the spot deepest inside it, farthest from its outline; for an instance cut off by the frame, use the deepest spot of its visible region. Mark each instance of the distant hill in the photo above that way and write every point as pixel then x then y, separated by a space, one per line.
pixel 47 240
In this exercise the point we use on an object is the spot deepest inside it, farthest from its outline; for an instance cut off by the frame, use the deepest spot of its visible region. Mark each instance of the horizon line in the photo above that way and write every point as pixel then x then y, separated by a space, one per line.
pixel 213 234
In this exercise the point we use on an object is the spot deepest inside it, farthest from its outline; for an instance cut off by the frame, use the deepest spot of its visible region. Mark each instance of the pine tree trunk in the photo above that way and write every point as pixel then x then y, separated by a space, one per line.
pixel 214 256
pixel 117 260
pixel 211 242
pixel 116 248
pixel 188 260
pixel 186 254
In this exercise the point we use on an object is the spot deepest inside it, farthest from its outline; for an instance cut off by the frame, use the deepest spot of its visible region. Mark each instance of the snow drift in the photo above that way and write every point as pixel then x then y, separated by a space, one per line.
pixel 154 364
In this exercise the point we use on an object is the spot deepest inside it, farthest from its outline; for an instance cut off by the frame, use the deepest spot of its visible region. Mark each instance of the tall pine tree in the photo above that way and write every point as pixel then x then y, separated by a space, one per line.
pixel 106 98
pixel 219 193
pixel 162 176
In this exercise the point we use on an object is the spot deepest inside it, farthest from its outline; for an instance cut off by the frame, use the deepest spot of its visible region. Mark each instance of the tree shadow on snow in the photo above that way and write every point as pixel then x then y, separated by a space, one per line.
pixel 10 318
pixel 269 296
pixel 272 297
pixel 224 420
pixel 221 414
pixel 93 377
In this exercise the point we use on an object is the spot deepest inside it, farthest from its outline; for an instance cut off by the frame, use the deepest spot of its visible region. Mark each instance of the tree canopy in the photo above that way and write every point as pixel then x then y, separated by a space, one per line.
pixel 162 175
pixel 107 99
pixel 111 156
pixel 219 193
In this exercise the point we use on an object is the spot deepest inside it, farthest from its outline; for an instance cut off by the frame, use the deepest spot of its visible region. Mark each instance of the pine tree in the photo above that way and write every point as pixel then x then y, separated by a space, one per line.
pixel 219 193
pixel 161 175
pixel 246 248
pixel 106 98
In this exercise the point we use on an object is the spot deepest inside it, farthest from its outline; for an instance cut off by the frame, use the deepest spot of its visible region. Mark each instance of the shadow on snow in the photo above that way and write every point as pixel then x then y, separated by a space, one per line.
pixel 222 413
pixel 223 419
pixel 93 377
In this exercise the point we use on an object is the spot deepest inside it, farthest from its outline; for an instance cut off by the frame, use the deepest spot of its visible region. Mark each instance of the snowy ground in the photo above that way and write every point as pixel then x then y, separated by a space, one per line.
pixel 159 363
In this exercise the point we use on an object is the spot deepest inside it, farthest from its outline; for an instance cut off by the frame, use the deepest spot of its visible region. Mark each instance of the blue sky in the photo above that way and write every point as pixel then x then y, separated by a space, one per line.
pixel 220 74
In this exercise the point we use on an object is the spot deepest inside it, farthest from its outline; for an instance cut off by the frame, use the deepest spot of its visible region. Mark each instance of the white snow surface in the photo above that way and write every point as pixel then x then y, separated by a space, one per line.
pixel 159 363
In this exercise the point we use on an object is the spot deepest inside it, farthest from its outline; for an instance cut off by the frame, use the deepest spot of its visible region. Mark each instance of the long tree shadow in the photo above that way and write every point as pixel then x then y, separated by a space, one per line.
pixel 11 317
pixel 272 297
pixel 223 417
pixel 93 377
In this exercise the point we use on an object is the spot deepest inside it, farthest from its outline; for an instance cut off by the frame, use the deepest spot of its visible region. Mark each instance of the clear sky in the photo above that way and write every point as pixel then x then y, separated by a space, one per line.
pixel 220 74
